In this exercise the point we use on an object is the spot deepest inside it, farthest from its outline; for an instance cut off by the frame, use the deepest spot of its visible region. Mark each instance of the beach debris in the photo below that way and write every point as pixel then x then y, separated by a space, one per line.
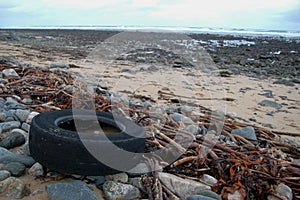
pixel 254 164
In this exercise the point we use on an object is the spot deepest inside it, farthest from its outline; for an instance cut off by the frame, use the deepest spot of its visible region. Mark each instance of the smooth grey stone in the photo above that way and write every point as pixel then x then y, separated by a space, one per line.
pixel 36 170
pixel 13 188
pixel 269 103
pixel 181 187
pixel 75 190
pixel 4 174
pixel 2 116
pixel 25 127
pixel 9 125
pixel 26 149
pixel 152 68
pixel 193 129
pixel 15 168
pixel 98 180
pixel 12 103
pixel 21 115
pixel 12 140
pixel 203 130
pixel 114 190
pixel 208 179
pixel 7 157
pixel 177 117
pixel 247 132
pixel 10 73
pixel 267 93
pixel 59 65
pixel 284 191
pixel 211 194
pixel 284 82
pixel 199 197
pixel 139 169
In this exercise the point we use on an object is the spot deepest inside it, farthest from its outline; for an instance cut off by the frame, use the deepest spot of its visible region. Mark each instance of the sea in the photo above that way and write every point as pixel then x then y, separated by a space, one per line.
pixel 186 30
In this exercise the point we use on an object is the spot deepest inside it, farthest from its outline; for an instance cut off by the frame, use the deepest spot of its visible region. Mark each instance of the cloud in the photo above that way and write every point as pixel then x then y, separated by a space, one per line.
pixel 216 13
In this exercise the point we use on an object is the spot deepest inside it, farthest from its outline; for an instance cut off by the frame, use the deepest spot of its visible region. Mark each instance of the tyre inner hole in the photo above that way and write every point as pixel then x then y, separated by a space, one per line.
pixel 88 126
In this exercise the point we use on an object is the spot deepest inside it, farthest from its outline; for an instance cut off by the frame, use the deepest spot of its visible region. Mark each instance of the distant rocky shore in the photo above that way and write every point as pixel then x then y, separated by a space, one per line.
pixel 259 57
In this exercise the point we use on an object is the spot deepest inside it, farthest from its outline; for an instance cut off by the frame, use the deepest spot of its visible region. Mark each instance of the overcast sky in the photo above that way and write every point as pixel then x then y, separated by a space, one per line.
pixel 258 14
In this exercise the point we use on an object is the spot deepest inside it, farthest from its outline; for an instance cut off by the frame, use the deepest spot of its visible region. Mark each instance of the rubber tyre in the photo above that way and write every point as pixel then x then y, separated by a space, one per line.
pixel 62 150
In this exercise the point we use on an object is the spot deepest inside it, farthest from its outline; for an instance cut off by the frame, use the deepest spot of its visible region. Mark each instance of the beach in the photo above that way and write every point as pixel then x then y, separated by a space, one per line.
pixel 251 79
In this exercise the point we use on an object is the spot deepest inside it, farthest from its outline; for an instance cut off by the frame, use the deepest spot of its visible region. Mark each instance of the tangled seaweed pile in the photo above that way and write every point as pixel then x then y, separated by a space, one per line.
pixel 254 169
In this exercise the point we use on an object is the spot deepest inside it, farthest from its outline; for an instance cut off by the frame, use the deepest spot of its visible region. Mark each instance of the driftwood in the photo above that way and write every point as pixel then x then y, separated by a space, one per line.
pixel 253 169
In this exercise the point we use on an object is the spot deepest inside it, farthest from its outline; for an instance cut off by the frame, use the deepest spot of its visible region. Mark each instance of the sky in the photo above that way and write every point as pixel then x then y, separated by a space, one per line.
pixel 243 14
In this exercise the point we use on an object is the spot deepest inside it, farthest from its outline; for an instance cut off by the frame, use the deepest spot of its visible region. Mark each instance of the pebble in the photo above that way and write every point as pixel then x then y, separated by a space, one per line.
pixel 10 73
pixel 267 93
pixel 31 116
pixel 15 168
pixel 192 129
pixel 12 140
pixel 269 103
pixel 59 65
pixel 120 177
pixel 98 180
pixel 6 157
pixel 177 117
pixel 74 190
pixel 211 194
pixel 284 191
pixel 5 126
pixel 137 182
pixel 199 197
pixel 25 127
pixel 208 179
pixel 235 196
pixel 4 174
pixel 12 103
pixel 115 191
pixel 26 149
pixel 13 188
pixel 246 132
pixel 139 169
pixel 36 170
pixel 181 187
pixel 21 115
pixel 2 116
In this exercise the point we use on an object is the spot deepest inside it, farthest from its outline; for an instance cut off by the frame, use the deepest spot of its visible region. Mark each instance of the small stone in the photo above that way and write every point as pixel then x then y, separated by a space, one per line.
pixel 26 149
pixel 9 125
pixel 193 129
pixel 6 157
pixel 152 68
pixel 27 100
pixel 25 127
pixel 31 116
pixel 267 93
pixel 235 196
pixel 13 188
pixel 12 103
pixel 115 191
pixel 253 119
pixel 139 169
pixel 181 187
pixel 98 180
pixel 269 103
pixel 4 174
pixel 21 115
pixel 15 168
pixel 284 191
pixel 10 73
pixel 208 179
pixel 36 170
pixel 59 65
pixel 12 140
pixel 284 82
pixel 199 197
pixel 75 190
pixel 246 132
pixel 177 117
pixel 2 116
pixel 211 194
pixel 120 177
pixel 137 182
